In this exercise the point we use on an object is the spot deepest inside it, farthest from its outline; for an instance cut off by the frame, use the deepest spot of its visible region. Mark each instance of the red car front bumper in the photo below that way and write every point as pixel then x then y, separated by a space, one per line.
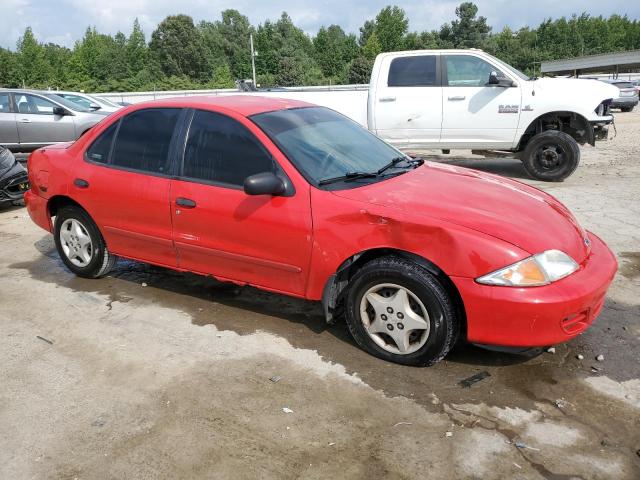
pixel 539 316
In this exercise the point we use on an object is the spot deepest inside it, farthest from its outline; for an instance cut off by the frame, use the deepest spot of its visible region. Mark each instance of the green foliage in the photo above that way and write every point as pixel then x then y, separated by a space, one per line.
pixel 179 48
pixel 360 70
pixel 391 27
pixel 372 47
pixel 467 31
pixel 215 53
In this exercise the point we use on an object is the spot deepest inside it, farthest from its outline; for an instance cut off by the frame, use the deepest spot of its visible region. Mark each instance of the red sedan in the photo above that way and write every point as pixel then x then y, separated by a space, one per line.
pixel 300 200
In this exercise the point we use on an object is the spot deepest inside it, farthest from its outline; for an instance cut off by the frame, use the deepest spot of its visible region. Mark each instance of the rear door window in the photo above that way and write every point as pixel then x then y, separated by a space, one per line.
pixel 219 149
pixel 144 138
pixel 413 71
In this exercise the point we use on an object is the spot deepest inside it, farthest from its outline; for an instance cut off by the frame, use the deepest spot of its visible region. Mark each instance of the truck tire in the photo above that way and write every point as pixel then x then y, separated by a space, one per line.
pixel 551 156
pixel 398 311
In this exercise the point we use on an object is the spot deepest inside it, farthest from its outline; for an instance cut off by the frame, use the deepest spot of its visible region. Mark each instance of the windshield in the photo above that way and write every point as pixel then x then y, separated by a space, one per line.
pixel 322 144
pixel 67 103
pixel 104 101
pixel 509 67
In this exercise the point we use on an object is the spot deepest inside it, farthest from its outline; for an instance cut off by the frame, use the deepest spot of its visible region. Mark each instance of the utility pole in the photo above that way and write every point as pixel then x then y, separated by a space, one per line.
pixel 253 60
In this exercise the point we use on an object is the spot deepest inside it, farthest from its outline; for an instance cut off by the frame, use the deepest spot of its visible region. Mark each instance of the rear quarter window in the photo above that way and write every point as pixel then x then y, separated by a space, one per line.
pixel 100 149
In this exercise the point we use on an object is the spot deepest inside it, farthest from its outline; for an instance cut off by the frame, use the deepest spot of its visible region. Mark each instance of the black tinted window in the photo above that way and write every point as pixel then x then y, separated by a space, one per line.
pixel 219 149
pixel 101 146
pixel 144 138
pixel 418 71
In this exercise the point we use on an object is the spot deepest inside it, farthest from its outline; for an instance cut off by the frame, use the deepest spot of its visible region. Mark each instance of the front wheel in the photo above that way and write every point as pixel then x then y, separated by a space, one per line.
pixel 80 244
pixel 398 311
pixel 551 156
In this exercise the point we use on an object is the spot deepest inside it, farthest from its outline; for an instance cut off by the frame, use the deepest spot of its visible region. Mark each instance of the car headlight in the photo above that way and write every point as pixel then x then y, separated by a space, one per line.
pixel 540 269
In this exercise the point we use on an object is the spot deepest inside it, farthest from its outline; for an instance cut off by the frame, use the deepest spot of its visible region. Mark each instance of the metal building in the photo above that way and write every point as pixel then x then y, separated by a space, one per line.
pixel 611 63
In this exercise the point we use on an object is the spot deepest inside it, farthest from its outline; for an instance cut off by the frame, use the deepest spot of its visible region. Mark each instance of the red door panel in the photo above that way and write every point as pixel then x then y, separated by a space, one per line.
pixel 259 240
pixel 131 210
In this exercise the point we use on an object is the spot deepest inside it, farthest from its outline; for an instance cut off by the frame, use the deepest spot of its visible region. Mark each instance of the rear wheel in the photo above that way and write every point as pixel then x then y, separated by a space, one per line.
pixel 398 311
pixel 80 244
pixel 551 156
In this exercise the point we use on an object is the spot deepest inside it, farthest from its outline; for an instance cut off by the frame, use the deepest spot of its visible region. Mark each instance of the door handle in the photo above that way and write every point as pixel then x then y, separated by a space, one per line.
pixel 81 183
pixel 387 99
pixel 24 120
pixel 185 202
pixel 457 97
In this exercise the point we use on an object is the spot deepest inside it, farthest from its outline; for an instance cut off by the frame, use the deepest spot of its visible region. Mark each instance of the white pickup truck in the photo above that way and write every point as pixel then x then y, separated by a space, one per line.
pixel 463 99
pixel 468 99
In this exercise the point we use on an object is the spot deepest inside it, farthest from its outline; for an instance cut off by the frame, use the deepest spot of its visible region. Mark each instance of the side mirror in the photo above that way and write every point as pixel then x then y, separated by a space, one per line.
pixel 94 106
pixel 266 183
pixel 496 81
pixel 59 111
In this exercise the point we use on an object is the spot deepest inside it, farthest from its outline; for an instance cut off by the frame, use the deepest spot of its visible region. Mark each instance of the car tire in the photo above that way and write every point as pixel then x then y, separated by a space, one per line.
pixel 626 109
pixel 80 243
pixel 384 330
pixel 551 156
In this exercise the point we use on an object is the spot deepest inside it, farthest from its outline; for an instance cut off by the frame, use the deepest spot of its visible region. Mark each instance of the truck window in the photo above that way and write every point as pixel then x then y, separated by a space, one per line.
pixel 468 71
pixel 414 71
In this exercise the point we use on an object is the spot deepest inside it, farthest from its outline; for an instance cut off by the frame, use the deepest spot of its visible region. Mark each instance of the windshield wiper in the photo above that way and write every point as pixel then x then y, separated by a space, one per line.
pixel 348 176
pixel 395 161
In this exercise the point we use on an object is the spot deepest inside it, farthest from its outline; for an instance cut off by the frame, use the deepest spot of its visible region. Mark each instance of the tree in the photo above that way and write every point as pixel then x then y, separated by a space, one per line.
pixel 391 27
pixel 365 32
pixel 215 53
pixel 179 49
pixel 360 70
pixel 372 48
pixel 8 72
pixel 333 49
pixel 136 49
pixel 227 42
pixel 467 31
pixel 32 68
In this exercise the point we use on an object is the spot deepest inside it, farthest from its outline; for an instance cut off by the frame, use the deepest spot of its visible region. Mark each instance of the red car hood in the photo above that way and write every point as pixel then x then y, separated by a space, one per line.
pixel 511 211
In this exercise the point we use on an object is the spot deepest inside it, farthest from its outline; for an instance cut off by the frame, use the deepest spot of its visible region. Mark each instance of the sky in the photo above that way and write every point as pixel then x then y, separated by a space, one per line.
pixel 64 21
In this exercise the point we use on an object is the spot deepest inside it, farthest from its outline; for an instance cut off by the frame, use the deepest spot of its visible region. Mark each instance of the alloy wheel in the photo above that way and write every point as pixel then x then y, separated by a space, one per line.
pixel 394 318
pixel 76 242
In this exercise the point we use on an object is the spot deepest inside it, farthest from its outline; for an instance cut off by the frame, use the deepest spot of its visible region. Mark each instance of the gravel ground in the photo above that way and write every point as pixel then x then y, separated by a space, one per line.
pixel 150 373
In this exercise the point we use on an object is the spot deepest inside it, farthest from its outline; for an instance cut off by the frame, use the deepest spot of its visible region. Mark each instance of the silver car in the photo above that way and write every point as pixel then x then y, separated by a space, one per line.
pixel 91 102
pixel 30 119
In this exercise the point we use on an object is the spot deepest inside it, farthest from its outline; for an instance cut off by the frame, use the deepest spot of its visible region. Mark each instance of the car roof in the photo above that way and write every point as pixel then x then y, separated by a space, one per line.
pixel 245 105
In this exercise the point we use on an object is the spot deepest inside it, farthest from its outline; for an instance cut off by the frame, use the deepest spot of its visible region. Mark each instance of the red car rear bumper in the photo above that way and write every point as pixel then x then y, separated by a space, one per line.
pixel 37 208
pixel 539 316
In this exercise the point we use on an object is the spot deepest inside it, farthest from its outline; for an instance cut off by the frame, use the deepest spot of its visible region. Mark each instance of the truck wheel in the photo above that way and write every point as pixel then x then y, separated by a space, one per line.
pixel 399 312
pixel 551 156
pixel 80 244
